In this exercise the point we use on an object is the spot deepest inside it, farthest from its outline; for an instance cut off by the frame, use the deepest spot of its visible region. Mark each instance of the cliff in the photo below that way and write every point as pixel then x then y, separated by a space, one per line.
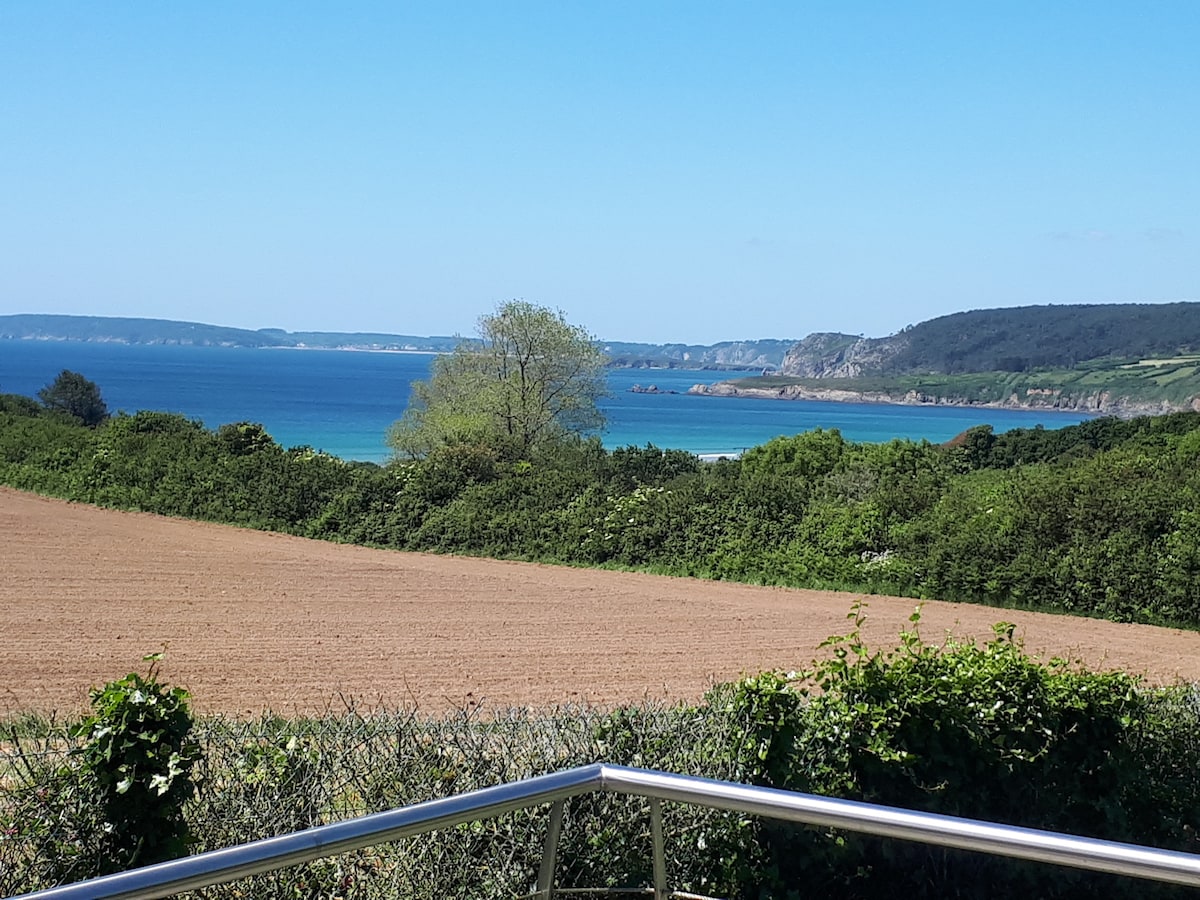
pixel 833 355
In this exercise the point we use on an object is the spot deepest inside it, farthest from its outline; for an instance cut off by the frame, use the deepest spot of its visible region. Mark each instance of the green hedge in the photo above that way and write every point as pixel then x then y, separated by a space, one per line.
pixel 1098 519
pixel 957 728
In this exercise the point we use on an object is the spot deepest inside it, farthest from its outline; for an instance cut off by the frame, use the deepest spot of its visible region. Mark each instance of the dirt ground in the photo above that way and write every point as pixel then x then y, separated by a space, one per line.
pixel 254 621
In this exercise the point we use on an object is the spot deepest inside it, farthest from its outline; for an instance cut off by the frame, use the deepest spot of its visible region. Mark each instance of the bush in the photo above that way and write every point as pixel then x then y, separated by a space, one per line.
pixel 135 761
pixel 974 730
pixel 961 729
pixel 72 394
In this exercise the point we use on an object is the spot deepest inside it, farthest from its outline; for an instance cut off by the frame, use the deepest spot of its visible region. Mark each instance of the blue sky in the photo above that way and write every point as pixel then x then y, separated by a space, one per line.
pixel 659 171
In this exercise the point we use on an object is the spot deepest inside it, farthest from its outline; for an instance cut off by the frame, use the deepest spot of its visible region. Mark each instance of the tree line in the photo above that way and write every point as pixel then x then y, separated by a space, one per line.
pixel 1022 339
pixel 1098 518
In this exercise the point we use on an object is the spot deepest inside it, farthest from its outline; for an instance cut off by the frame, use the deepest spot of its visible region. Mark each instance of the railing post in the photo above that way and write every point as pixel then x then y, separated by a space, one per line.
pixel 660 860
pixel 545 882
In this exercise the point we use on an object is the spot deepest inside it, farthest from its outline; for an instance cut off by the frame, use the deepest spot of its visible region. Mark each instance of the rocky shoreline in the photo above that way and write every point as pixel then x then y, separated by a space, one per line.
pixel 650 389
pixel 1099 403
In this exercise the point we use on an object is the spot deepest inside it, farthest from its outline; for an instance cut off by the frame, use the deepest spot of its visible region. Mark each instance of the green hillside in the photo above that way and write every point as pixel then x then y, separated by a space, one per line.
pixel 1099 384
pixel 1038 337
pixel 1020 339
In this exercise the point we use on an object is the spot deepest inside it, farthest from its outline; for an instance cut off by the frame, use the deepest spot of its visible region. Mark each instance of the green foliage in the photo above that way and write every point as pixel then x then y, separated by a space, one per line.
pixel 957 728
pixel 988 355
pixel 19 405
pixel 1101 534
pixel 244 438
pixel 135 761
pixel 530 379
pixel 765 713
pixel 1097 519
pixel 630 467
pixel 1116 383
pixel 1023 338
pixel 980 448
pixel 977 730
pixel 74 395
pixel 808 456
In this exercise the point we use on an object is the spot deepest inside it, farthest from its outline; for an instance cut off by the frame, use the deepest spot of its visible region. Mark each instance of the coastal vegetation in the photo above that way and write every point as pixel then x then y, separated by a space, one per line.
pixel 1016 339
pixel 1021 339
pixel 976 730
pixel 75 396
pixel 1096 519
pixel 1121 359
pixel 529 378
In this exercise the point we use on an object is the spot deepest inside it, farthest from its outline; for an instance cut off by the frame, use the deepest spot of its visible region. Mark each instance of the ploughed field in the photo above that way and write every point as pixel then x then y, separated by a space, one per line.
pixel 254 621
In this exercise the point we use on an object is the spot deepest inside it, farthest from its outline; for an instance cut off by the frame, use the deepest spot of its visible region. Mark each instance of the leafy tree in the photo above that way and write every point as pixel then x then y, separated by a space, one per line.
pixel 530 379
pixel 632 466
pixel 75 395
pixel 244 438
pixel 809 456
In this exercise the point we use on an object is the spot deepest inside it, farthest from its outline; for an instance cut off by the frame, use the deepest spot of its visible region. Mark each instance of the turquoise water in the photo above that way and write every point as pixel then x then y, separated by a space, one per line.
pixel 343 401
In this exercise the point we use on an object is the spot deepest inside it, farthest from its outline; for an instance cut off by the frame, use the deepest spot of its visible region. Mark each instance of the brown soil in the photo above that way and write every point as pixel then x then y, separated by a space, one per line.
pixel 255 620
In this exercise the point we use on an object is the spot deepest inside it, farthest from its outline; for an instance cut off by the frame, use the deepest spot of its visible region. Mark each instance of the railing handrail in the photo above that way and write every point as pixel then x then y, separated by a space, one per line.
pixel 269 854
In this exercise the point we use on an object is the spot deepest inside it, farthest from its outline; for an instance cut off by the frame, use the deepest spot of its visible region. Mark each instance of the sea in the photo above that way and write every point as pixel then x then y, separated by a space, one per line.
pixel 342 401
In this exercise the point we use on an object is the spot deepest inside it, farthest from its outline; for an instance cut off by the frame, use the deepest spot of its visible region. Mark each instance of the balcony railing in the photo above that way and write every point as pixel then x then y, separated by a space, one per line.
pixel 257 857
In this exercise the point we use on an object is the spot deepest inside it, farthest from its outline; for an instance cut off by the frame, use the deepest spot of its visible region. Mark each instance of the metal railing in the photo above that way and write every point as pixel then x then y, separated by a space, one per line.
pixel 257 857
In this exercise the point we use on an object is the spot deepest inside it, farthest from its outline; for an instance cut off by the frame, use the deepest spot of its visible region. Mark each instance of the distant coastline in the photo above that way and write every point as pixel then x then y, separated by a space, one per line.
pixel 1100 359
pixel 1097 404
pixel 351 349
pixel 354 348
pixel 727 356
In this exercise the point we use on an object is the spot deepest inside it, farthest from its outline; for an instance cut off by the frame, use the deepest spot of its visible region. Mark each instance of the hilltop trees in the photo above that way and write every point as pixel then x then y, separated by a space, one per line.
pixel 529 379
pixel 75 395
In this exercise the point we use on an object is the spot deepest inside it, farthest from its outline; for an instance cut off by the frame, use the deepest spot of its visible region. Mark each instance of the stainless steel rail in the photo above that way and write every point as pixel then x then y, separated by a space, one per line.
pixel 254 858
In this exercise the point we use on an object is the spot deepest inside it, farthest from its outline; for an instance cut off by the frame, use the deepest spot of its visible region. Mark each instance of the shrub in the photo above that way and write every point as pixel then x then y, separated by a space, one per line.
pixel 136 760
pixel 980 731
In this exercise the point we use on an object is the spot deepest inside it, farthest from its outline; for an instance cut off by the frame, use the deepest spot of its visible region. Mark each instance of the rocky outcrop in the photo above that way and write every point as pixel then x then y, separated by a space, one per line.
pixel 793 392
pixel 1099 402
pixel 832 355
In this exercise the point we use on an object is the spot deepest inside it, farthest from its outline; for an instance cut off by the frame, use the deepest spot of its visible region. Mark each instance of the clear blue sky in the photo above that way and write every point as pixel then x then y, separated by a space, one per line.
pixel 659 171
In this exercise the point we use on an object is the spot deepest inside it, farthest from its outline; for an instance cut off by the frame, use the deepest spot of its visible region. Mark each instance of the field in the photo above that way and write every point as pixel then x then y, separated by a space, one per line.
pixel 255 621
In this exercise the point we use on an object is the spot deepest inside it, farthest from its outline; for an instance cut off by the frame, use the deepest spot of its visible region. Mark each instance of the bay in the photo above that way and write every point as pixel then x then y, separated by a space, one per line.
pixel 342 401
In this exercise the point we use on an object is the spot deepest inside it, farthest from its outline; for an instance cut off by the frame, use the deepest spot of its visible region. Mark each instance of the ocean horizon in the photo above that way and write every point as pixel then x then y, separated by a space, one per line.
pixel 343 401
